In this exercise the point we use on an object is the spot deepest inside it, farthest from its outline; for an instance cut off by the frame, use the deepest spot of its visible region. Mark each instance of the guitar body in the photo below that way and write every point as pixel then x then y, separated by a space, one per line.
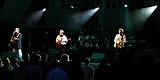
pixel 58 43
pixel 119 45
pixel 13 40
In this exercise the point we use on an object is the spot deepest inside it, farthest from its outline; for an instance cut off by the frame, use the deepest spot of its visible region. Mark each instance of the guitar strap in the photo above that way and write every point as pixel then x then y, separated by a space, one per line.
pixel 17 35
pixel 61 38
pixel 122 37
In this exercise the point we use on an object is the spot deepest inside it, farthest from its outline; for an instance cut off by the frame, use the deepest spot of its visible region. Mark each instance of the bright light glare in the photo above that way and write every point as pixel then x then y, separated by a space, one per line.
pixel 125 5
pixel 96 9
pixel 86 15
pixel 44 9
pixel 153 8
pixel 149 10
pixel 141 15
pixel 72 7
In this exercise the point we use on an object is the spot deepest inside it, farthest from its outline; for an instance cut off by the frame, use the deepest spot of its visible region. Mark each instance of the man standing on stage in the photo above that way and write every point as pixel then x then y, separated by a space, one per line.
pixel 120 39
pixel 16 43
pixel 61 42
pixel 119 45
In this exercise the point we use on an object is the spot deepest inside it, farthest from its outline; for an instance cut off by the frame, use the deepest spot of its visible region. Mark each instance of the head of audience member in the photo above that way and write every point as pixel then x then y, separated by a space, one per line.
pixel 1 63
pixel 14 60
pixel 26 57
pixel 36 58
pixel 87 61
pixel 44 57
pixel 64 58
pixel 6 61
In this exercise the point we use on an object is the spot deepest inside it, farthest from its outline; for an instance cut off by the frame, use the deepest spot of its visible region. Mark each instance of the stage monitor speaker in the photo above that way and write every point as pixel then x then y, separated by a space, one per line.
pixel 10 54
pixel 52 52
pixel 97 57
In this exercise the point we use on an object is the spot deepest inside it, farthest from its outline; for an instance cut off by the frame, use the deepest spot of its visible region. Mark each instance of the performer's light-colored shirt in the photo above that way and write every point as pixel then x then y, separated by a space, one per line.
pixel 119 41
pixel 118 38
pixel 63 39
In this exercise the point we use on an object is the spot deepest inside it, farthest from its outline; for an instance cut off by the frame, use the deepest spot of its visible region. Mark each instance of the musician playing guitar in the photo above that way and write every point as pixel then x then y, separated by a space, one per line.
pixel 119 44
pixel 16 43
pixel 61 41
pixel 120 39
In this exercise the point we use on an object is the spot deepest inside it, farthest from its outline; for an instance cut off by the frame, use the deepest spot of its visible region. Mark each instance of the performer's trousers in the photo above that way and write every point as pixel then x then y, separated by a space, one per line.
pixel 62 49
pixel 120 54
pixel 20 55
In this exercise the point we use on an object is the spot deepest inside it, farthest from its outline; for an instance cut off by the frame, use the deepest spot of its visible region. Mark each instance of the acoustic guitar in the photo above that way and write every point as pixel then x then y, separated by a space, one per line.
pixel 14 39
pixel 59 42
pixel 119 44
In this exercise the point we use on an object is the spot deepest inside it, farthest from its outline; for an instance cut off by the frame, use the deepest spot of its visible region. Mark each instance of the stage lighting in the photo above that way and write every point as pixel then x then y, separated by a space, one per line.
pixel 125 4
pixel 70 5
pixel 44 9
